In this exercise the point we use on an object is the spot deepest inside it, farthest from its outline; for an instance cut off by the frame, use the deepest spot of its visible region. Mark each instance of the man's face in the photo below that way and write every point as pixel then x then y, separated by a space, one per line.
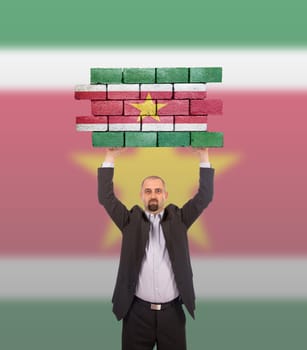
pixel 153 195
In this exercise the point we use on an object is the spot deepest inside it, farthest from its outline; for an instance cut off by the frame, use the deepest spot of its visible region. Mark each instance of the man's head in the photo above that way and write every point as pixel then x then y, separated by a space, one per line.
pixel 153 194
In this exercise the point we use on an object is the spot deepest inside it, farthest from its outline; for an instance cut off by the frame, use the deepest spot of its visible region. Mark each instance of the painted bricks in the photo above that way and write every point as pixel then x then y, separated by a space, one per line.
pixel 156 75
pixel 172 75
pixel 107 107
pixel 106 75
pixel 90 92
pixel 150 107
pixel 120 123
pixel 107 139
pixel 123 91
pixel 91 123
pixel 174 139
pixel 140 139
pixel 155 91
pixel 207 139
pixel 163 123
pixel 204 74
pixel 174 107
pixel 207 106
pixel 139 75
pixel 190 123
pixel 157 139
pixel 190 91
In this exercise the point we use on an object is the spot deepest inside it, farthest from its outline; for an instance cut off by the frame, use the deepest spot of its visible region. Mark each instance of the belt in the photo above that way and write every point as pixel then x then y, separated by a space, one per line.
pixel 156 306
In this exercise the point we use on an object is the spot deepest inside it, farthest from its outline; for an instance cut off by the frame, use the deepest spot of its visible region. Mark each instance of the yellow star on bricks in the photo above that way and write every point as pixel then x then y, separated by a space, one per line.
pixel 148 108
pixel 178 168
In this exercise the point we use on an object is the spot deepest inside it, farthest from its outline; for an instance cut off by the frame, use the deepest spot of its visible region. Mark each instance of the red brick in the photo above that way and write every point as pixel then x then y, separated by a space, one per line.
pixel 107 107
pixel 204 107
pixel 174 107
pixel 90 95
pixel 91 120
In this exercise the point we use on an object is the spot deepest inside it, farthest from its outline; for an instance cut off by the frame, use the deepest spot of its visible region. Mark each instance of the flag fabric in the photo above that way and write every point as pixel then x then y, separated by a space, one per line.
pixel 58 249
pixel 151 101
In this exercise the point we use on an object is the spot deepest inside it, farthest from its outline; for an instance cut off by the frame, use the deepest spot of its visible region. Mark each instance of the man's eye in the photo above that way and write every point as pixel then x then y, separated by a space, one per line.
pixel 158 190
pixel 147 191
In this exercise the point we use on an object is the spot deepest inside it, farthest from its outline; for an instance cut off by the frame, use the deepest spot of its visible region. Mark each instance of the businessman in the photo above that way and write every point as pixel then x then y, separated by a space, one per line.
pixel 154 276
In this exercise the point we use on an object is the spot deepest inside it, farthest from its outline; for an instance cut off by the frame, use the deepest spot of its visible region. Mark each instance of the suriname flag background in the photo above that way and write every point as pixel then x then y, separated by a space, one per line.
pixel 59 251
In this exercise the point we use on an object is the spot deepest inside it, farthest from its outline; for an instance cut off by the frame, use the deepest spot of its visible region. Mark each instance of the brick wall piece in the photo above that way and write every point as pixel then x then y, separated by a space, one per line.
pixel 107 139
pixel 140 139
pixel 91 123
pixel 91 92
pixel 162 91
pixel 173 139
pixel 206 106
pixel 190 91
pixel 139 75
pixel 174 107
pixel 120 123
pixel 123 91
pixel 172 75
pixel 107 107
pixel 207 139
pixel 190 123
pixel 106 75
pixel 206 75
pixel 165 123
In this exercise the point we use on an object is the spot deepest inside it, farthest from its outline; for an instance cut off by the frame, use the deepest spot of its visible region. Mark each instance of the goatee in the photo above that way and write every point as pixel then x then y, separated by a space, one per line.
pixel 153 206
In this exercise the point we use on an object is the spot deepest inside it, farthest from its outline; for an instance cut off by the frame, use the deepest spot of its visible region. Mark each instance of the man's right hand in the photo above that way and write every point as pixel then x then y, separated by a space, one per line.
pixel 113 153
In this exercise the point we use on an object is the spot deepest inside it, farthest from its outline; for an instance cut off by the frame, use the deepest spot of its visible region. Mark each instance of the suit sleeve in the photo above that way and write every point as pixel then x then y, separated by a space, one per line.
pixel 114 207
pixel 195 206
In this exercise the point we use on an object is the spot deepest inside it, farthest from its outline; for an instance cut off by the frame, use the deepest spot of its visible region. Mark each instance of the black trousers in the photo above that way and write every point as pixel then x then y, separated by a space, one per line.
pixel 144 328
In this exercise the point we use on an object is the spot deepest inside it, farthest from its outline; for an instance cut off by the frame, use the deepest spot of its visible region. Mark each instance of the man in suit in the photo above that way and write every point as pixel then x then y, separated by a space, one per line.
pixel 154 276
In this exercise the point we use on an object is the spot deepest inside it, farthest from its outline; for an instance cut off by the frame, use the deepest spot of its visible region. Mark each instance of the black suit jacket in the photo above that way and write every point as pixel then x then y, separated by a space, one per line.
pixel 134 226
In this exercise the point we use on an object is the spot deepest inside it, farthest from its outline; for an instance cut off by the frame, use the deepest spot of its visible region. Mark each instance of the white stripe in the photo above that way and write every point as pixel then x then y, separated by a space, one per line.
pixel 124 126
pixel 123 87
pixel 190 87
pixel 242 68
pixel 94 277
pixel 87 87
pixel 92 127
pixel 157 127
pixel 157 87
pixel 190 127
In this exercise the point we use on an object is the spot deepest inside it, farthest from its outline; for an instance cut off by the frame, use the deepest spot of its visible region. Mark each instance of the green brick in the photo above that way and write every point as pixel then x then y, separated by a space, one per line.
pixel 140 139
pixel 207 139
pixel 106 75
pixel 173 139
pixel 206 75
pixel 172 75
pixel 139 75
pixel 107 139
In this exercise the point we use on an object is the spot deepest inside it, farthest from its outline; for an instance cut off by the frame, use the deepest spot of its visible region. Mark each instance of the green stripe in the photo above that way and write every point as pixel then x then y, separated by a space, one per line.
pixel 171 23
pixel 156 75
pixel 231 325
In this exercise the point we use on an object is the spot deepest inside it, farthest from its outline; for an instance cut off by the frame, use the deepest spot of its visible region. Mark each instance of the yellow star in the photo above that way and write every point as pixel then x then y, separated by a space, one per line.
pixel 148 108
pixel 179 170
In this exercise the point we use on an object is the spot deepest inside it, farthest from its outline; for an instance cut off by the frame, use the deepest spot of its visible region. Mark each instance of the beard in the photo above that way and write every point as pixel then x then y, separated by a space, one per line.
pixel 153 205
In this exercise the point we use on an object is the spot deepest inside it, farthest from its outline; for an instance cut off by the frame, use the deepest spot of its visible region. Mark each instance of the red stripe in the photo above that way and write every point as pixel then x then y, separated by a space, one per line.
pixel 48 203
pixel 90 95
pixel 91 120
